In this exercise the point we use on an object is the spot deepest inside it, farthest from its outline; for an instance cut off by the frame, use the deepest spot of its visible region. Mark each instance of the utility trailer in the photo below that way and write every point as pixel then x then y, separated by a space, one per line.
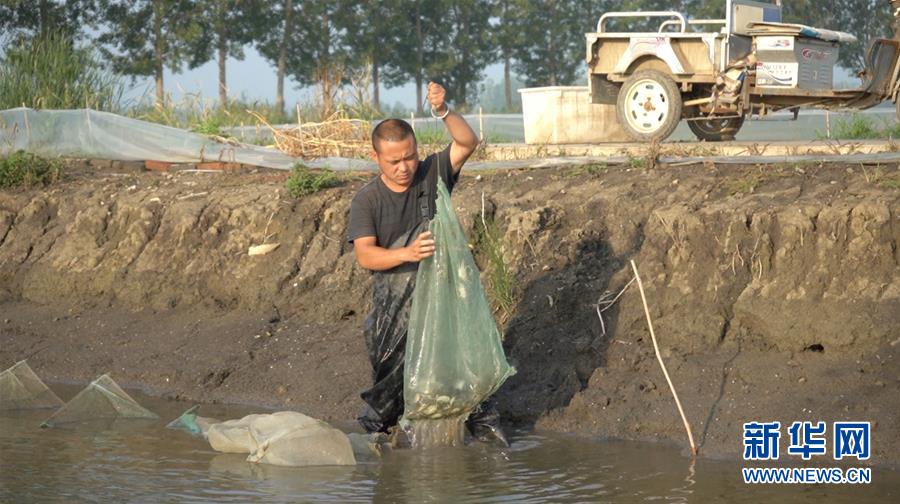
pixel 714 73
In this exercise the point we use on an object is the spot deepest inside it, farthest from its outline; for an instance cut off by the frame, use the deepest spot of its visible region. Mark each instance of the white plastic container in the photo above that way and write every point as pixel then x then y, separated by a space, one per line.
pixel 565 115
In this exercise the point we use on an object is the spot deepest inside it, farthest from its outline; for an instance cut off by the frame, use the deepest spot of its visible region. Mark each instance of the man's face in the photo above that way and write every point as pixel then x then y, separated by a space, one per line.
pixel 398 160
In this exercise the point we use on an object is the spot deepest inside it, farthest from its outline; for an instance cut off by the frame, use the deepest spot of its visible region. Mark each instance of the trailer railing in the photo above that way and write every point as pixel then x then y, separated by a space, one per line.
pixel 679 18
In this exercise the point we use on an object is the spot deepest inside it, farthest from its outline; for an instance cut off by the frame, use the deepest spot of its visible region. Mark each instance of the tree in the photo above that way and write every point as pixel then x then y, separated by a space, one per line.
pixel 278 41
pixel 507 36
pixel 321 54
pixel 144 36
pixel 553 33
pixel 423 43
pixel 465 50
pixel 377 30
pixel 226 27
pixel 29 18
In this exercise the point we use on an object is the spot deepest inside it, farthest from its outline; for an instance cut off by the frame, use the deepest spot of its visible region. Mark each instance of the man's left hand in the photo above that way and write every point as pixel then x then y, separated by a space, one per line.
pixel 436 96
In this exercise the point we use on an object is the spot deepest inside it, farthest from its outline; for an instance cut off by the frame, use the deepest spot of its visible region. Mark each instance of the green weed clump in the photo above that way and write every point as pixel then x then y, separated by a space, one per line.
pixel 502 285
pixel 303 181
pixel 25 169
pixel 744 185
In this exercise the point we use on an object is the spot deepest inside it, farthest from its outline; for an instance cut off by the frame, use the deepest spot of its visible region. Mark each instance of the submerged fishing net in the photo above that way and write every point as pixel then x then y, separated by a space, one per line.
pixel 20 388
pixel 285 438
pixel 454 356
pixel 102 399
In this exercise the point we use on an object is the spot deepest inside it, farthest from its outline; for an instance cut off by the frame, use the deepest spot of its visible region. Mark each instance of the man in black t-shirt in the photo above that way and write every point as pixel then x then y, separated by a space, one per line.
pixel 388 229
pixel 391 204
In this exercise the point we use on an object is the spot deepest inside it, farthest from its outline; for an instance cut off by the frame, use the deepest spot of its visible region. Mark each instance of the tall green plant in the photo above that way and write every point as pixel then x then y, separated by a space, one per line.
pixel 50 72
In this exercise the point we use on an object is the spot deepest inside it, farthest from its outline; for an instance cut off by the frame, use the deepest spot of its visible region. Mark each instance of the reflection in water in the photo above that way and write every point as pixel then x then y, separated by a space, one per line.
pixel 144 462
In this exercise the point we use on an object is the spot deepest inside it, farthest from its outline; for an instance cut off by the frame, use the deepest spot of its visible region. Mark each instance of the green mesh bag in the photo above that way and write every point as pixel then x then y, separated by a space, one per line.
pixel 454 356
pixel 102 399
pixel 20 388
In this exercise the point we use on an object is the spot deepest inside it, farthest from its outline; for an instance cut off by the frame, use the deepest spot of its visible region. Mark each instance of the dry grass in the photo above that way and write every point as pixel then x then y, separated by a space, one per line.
pixel 338 135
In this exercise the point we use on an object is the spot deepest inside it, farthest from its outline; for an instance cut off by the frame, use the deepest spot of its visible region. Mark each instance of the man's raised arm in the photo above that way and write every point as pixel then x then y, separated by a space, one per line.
pixel 464 139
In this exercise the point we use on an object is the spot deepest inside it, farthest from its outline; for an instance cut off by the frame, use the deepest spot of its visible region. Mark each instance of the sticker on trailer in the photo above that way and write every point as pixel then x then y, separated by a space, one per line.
pixel 775 43
pixel 776 74
pixel 814 54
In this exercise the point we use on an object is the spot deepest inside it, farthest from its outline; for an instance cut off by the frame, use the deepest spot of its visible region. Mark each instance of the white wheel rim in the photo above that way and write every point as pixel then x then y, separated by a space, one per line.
pixel 647 106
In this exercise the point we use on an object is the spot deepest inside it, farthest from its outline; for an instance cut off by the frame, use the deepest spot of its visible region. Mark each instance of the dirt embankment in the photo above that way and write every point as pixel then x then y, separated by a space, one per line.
pixel 774 291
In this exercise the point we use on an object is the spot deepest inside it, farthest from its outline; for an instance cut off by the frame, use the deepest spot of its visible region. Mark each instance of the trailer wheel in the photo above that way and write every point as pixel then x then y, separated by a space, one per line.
pixel 716 130
pixel 649 105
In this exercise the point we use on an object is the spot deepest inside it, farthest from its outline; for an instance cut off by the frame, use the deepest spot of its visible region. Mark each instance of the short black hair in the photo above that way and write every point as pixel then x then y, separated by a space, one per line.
pixel 391 130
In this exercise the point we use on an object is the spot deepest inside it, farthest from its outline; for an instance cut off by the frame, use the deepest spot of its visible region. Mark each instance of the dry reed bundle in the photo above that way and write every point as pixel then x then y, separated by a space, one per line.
pixel 337 135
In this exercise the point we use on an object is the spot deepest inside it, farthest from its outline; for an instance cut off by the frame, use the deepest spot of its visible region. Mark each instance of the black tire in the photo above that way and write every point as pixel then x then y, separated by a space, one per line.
pixel 649 106
pixel 716 130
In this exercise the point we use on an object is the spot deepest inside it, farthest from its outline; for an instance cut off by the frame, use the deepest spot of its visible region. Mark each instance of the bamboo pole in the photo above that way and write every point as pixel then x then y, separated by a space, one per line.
pixel 687 426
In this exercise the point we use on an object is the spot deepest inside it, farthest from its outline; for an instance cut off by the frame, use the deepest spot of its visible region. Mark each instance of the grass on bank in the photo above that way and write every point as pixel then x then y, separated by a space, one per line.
pixel 303 181
pixel 862 127
pixel 25 169
pixel 502 285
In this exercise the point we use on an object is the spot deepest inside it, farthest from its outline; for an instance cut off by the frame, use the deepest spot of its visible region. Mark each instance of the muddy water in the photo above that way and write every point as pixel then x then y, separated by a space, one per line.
pixel 141 461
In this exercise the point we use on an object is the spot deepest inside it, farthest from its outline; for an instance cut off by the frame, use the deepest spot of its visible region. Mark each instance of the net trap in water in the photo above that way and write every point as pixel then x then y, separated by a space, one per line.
pixel 21 388
pixel 102 399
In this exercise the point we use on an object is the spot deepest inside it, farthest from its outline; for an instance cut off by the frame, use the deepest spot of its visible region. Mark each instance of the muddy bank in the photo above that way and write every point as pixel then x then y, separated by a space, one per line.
pixel 774 290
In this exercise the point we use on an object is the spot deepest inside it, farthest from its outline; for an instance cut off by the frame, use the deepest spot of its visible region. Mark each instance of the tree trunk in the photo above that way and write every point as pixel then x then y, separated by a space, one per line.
pixel 895 10
pixel 223 54
pixel 327 69
pixel 420 59
pixel 44 14
pixel 158 49
pixel 507 81
pixel 376 95
pixel 282 55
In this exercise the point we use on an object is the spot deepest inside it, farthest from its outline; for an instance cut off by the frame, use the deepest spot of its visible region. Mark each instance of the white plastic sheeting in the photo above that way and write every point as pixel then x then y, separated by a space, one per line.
pixel 86 133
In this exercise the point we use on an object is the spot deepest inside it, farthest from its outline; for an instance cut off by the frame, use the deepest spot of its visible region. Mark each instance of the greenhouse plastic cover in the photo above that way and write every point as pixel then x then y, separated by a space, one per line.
pixel 102 399
pixel 21 388
pixel 90 134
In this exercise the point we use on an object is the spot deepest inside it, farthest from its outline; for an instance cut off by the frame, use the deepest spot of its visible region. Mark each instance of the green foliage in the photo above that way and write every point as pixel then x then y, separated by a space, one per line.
pixel 745 185
pixel 303 181
pixel 50 72
pixel 23 168
pixel 194 112
pixel 862 127
pixel 25 19
pixel 141 37
pixel 502 285
pixel 590 170
pixel 551 52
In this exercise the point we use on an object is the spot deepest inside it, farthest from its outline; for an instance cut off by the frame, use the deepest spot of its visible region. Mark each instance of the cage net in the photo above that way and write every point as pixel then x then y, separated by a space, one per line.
pixel 21 388
pixel 102 399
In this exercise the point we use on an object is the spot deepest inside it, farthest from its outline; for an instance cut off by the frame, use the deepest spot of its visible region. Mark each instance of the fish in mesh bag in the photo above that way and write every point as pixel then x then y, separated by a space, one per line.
pixel 102 399
pixel 454 356
pixel 21 388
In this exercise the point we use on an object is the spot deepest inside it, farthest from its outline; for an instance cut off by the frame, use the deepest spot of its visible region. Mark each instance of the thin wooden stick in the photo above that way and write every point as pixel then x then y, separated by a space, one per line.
pixel 687 426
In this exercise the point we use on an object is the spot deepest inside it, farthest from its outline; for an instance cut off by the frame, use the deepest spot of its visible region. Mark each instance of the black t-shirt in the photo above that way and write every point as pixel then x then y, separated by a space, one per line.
pixel 387 215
